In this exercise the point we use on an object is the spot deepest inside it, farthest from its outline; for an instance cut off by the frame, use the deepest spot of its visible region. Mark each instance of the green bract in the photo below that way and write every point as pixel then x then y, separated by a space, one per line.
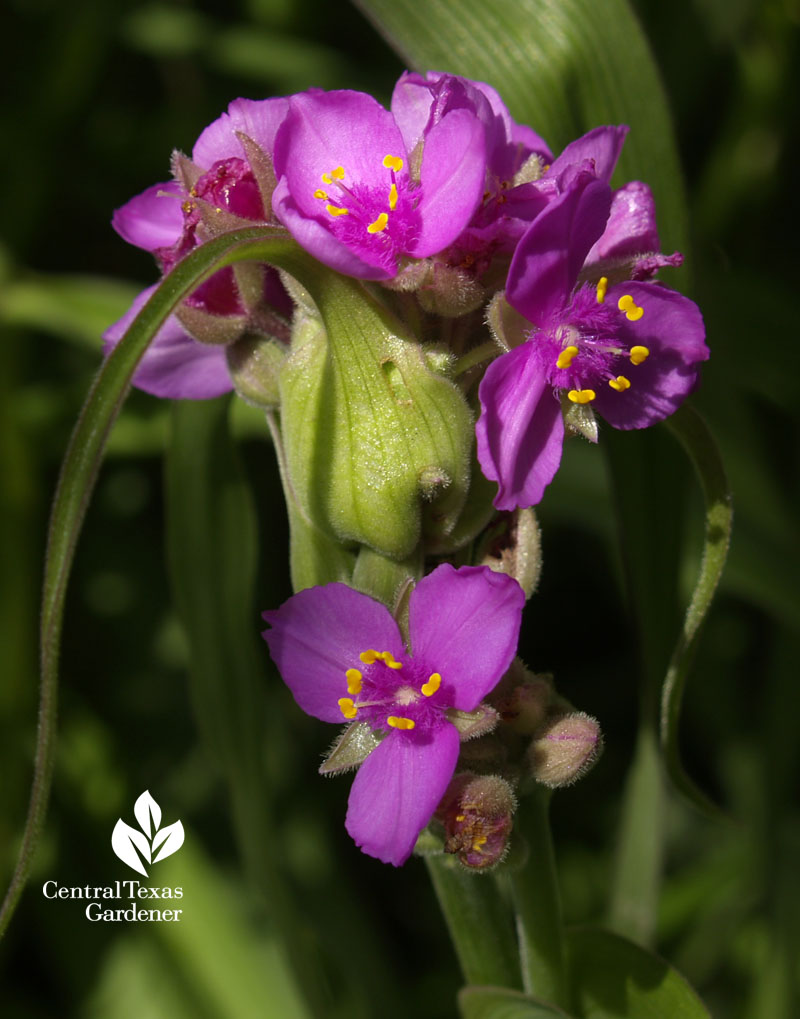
pixel 372 434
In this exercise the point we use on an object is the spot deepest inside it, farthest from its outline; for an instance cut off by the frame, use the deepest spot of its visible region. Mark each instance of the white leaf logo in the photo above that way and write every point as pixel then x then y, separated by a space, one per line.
pixel 132 845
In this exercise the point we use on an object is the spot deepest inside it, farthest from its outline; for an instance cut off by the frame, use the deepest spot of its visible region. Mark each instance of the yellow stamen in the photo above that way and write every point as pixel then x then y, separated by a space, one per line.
pixel 393 163
pixel 566 356
pixel 354 678
pixel 379 224
pixel 336 210
pixel 327 179
pixel 639 355
pixel 319 193
pixel 461 817
pixel 338 173
pixel 433 684
pixel 620 383
pixel 370 656
pixel 393 197
pixel 581 395
pixel 633 312
pixel 480 841
pixel 347 707
pixel 398 722
pixel 602 287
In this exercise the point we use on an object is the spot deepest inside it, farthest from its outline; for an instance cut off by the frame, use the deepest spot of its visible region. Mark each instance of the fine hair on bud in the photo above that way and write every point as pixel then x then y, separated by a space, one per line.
pixel 564 749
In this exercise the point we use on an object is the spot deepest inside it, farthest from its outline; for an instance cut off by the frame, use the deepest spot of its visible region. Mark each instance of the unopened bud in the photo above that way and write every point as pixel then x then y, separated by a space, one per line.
pixel 565 749
pixel 477 815
pixel 514 547
pixel 253 363
pixel 525 706
pixel 450 291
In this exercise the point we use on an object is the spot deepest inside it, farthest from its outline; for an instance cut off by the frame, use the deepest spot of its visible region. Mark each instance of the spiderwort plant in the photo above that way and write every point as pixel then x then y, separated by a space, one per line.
pixel 343 657
pixel 631 349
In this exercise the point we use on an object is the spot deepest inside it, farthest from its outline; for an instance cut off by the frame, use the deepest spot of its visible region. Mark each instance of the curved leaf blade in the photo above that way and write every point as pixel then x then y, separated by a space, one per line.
pixel 613 978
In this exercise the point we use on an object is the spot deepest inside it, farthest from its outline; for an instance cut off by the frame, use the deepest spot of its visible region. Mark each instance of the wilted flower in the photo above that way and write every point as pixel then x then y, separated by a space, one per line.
pixel 342 656
pixel 227 183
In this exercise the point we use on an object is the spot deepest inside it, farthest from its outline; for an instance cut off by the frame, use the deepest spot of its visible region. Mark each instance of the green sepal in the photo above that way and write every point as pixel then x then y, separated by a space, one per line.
pixel 377 444
pixel 350 748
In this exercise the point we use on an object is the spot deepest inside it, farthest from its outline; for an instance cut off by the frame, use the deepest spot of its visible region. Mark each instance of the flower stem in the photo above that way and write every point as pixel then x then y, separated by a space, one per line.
pixel 480 925
pixel 484 352
pixel 538 905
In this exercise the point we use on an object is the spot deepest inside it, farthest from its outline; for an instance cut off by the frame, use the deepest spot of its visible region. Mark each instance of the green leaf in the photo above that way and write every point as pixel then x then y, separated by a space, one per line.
pixel 561 66
pixel 501 1003
pixel 690 429
pixel 79 473
pixel 613 978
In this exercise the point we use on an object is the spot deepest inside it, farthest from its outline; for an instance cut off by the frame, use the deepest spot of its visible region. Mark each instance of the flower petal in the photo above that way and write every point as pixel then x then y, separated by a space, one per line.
pixel 551 253
pixel 397 789
pixel 174 365
pixel 318 634
pixel 672 330
pixel 314 236
pixel 153 219
pixel 464 624
pixel 452 176
pixel 631 227
pixel 520 431
pixel 601 145
pixel 258 119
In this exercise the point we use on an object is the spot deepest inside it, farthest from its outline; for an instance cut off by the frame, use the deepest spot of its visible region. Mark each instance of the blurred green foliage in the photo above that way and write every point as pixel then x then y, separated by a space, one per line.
pixel 103 93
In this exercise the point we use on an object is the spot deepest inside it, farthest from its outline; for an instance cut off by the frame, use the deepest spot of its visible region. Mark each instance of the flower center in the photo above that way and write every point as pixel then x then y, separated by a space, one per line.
pixel 378 217
pixel 586 350
pixel 385 697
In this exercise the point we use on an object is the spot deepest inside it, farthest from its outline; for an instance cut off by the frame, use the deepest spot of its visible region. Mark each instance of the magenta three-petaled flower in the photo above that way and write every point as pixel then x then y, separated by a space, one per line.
pixel 353 195
pixel 343 657
pixel 631 350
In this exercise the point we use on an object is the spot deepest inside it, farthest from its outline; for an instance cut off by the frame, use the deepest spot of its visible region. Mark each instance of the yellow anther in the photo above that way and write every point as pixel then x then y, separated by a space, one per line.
pixel 461 817
pixel 566 357
pixel 370 656
pixel 581 395
pixel 398 722
pixel 639 355
pixel 633 312
pixel 338 173
pixel 620 383
pixel 379 224
pixel 327 179
pixel 481 840
pixel 319 193
pixel 336 210
pixel 393 163
pixel 393 197
pixel 347 707
pixel 602 287
pixel 354 678
pixel 433 684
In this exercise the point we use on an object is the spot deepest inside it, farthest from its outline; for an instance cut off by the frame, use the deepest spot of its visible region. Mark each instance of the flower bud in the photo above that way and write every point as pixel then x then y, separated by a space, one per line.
pixel 523 704
pixel 513 546
pixel 476 813
pixel 564 749
pixel 377 444
pixel 253 363
pixel 449 291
